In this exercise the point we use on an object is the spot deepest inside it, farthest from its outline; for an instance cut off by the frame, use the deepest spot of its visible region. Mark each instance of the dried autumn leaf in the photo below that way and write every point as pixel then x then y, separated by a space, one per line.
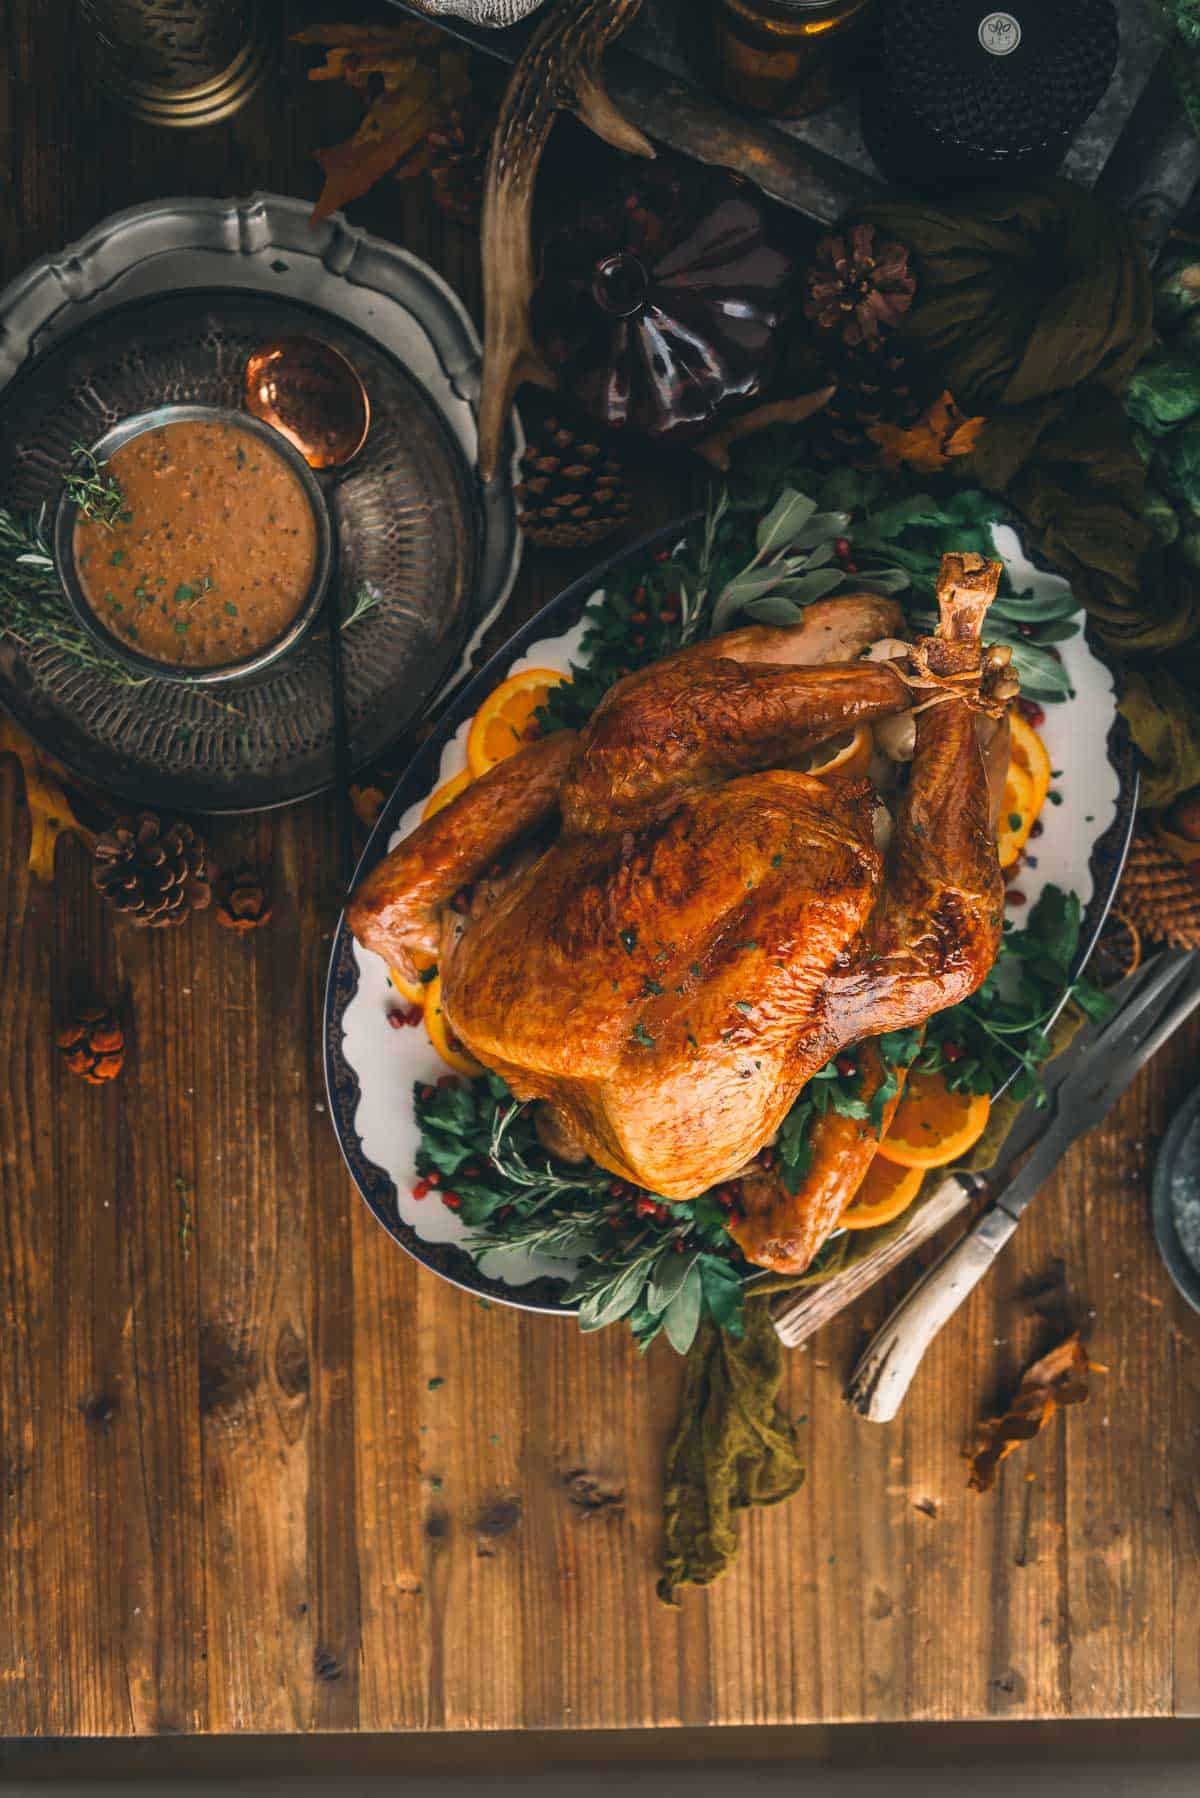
pixel 942 431
pixel 415 79
pixel 50 811
pixel 715 448
pixel 1057 1380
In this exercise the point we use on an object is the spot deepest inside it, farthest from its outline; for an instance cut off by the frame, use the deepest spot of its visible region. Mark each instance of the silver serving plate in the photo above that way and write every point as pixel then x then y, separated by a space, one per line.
pixel 411 326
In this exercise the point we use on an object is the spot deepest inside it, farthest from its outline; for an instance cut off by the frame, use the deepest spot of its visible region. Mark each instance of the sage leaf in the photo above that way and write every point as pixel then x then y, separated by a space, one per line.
pixel 788 515
pixel 670 1274
pixel 682 1317
pixel 614 1298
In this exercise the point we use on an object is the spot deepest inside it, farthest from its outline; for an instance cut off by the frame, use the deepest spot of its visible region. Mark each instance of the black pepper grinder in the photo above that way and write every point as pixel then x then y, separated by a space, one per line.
pixel 956 93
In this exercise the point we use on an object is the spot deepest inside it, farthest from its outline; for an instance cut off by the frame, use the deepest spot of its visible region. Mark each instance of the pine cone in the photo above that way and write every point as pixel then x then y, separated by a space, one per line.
pixel 242 902
pixel 858 288
pixel 94 1044
pixel 458 156
pixel 876 384
pixel 571 493
pixel 153 870
pixel 1159 895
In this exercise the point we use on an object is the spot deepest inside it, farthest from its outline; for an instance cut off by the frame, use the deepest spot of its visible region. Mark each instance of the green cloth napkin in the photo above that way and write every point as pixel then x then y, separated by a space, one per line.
pixel 1034 308
pixel 734 1446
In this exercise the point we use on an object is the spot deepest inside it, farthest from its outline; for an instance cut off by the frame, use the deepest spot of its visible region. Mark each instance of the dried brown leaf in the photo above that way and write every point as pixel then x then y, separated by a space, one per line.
pixel 50 811
pixel 942 431
pixel 715 448
pixel 1057 1380
pixel 417 78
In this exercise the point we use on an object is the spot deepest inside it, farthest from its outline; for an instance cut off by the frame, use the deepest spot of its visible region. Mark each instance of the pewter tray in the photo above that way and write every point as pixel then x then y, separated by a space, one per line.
pixel 162 303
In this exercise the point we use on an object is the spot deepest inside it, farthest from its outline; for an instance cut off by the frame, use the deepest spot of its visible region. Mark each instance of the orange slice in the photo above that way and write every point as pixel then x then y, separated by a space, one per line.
pixel 887 1190
pixel 932 1125
pixel 449 789
pixel 442 1037
pixel 505 721
pixel 1030 753
pixel 1017 814
pixel 412 990
pixel 849 753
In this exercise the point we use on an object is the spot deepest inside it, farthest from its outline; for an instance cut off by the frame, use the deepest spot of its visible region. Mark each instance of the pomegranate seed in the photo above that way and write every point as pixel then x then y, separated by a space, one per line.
pixel 662 1213
pixel 841 547
pixel 951 1052
pixel 471 1170
pixel 679 1245
pixel 767 1157
pixel 421 1189
pixel 451 1201
pixel 669 617
pixel 639 596
pixel 850 567
pixel 845 1066
pixel 427 1093
pixel 397 1019
pixel 638 641
pixel 639 617
pixel 1031 711
pixel 645 1207
pixel 616 1189
pixel 615 1221
pixel 1037 828
pixel 433 1179
pixel 1014 896
pixel 662 555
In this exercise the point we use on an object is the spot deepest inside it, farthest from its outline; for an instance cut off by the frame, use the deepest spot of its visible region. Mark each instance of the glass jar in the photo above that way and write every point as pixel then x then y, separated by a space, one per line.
pixel 782 56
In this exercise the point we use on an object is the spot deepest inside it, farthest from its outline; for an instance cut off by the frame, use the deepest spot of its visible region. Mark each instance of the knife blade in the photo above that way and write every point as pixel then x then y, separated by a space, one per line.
pixel 1082 1094
pixel 1108 1058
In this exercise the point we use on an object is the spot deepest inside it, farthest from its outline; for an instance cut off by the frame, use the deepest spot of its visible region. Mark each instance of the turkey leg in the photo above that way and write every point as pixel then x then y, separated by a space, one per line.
pixel 698 721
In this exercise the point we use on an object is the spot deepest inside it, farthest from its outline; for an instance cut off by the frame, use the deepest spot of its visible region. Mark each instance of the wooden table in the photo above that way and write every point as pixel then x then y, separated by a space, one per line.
pixel 260 1473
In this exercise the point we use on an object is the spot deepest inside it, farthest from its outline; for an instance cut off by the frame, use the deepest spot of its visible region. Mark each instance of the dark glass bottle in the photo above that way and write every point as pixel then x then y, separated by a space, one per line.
pixel 957 93
pixel 784 56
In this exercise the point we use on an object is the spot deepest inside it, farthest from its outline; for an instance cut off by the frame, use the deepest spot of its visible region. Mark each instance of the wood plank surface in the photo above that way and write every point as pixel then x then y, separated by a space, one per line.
pixel 259 1473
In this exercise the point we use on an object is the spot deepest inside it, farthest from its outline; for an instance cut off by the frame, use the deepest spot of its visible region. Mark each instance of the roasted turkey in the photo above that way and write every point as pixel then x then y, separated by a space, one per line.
pixel 661 927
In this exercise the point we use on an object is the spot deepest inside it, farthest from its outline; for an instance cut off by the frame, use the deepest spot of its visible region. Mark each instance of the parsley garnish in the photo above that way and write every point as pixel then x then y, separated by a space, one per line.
pixel 640 1034
pixel 629 938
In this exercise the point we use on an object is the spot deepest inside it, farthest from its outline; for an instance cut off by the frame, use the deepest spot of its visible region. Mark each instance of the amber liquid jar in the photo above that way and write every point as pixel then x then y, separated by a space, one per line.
pixel 782 56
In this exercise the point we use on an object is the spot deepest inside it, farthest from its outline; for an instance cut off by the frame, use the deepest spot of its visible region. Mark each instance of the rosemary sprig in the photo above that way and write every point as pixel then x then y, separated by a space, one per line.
pixel 364 599
pixel 33 611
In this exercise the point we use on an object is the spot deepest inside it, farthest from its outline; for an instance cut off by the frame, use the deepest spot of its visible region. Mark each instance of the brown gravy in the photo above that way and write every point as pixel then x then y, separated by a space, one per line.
pixel 214 551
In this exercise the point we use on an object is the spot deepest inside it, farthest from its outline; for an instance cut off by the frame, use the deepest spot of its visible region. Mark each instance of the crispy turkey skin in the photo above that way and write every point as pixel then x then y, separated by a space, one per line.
pixel 709 925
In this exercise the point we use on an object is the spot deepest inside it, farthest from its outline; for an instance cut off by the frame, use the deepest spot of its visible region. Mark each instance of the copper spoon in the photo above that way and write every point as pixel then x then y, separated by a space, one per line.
pixel 308 392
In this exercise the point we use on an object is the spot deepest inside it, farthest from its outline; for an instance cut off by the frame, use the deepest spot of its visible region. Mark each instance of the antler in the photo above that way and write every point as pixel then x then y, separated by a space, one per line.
pixel 560 71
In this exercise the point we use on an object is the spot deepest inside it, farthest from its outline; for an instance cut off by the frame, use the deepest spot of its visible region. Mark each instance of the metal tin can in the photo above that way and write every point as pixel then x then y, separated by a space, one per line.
pixel 783 56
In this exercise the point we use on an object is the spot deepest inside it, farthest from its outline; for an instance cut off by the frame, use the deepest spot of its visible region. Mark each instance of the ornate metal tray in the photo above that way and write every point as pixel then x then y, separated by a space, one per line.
pixel 163 303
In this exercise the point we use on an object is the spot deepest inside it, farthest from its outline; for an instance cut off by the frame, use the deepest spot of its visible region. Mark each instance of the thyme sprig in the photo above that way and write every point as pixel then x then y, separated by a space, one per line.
pixel 97 493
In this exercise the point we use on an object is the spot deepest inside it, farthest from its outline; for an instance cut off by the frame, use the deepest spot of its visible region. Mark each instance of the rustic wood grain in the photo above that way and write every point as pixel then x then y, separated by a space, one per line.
pixel 259 1473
